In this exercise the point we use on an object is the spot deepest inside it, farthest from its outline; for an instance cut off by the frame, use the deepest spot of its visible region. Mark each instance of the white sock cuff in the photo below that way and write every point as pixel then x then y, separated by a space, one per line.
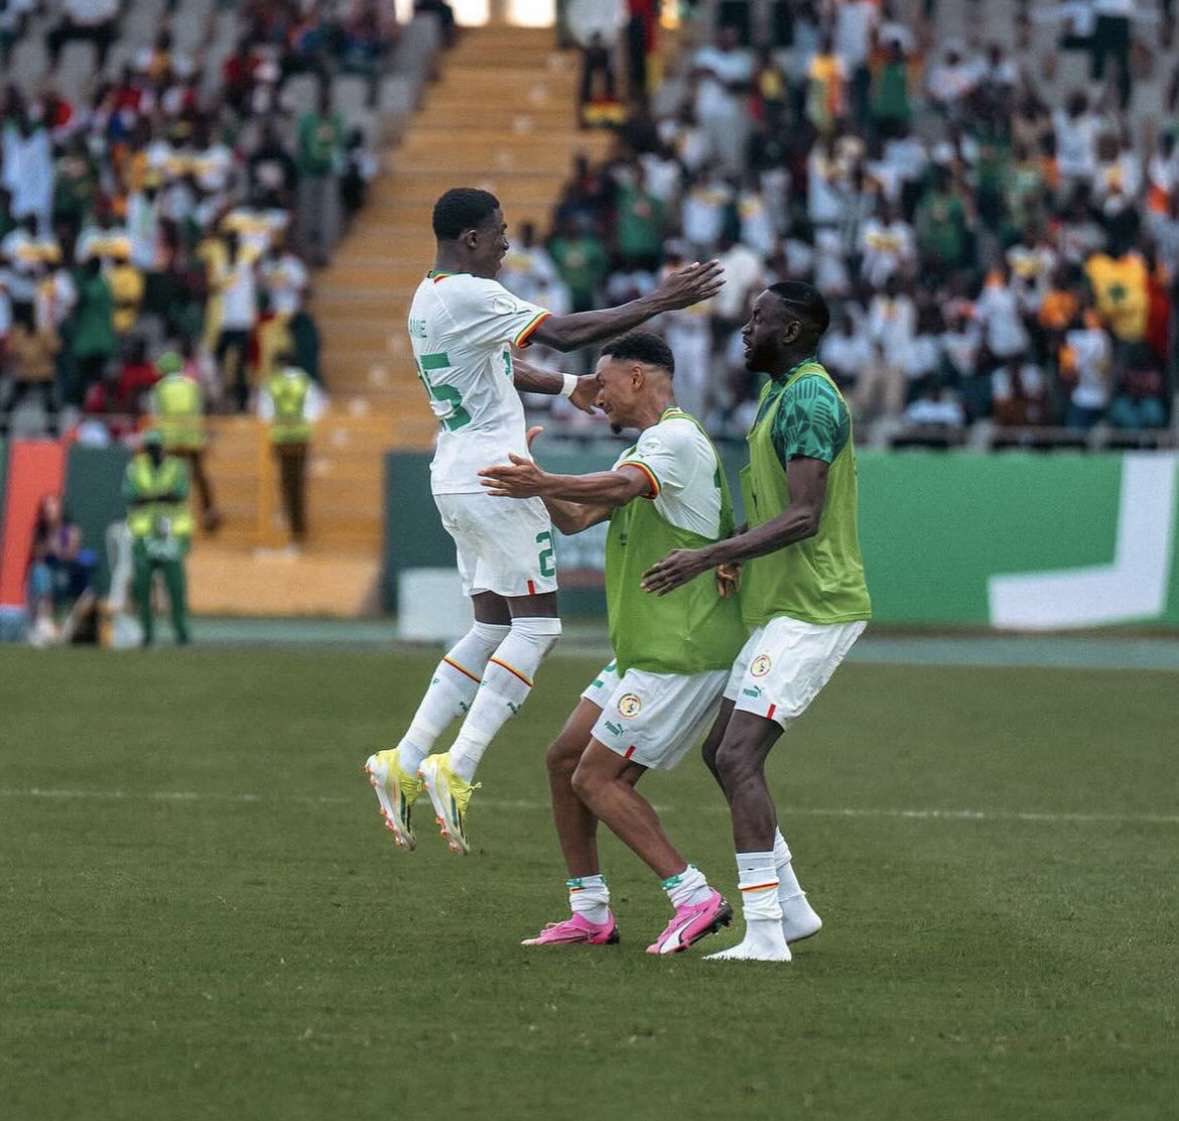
pixel 781 849
pixel 751 865
pixel 489 634
pixel 541 629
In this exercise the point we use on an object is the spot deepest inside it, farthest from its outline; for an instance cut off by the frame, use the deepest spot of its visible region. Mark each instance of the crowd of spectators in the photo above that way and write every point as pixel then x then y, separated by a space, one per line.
pixel 988 258
pixel 178 204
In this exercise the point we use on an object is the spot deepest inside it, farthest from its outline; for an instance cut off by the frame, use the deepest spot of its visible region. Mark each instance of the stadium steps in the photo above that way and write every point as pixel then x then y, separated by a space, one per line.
pixel 244 569
pixel 520 144
pixel 227 581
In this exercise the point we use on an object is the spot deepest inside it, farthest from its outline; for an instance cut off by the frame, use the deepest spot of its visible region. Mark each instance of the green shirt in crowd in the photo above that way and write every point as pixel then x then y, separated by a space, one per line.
pixel 321 143
pixel 640 223
pixel 582 263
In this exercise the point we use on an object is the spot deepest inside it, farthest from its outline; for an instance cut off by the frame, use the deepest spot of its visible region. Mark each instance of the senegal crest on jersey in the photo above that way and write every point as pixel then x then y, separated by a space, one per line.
pixel 630 705
pixel 761 665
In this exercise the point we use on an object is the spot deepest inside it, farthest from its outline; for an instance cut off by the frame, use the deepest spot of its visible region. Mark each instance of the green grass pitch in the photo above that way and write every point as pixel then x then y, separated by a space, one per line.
pixel 202 916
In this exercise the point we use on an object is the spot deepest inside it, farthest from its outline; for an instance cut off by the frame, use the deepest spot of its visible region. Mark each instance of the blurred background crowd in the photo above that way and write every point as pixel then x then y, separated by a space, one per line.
pixel 994 261
pixel 987 193
pixel 171 196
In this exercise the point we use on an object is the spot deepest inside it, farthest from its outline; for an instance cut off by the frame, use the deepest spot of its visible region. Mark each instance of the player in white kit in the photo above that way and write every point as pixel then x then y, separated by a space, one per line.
pixel 463 325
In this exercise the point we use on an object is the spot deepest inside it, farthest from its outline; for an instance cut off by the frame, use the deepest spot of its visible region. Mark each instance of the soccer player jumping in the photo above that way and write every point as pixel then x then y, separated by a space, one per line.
pixel 462 327
pixel 802 595
pixel 672 653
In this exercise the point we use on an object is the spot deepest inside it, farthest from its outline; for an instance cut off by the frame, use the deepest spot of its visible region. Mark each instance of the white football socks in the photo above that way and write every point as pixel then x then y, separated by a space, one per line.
pixel 799 919
pixel 758 880
pixel 451 691
pixel 764 940
pixel 687 887
pixel 507 681
pixel 589 896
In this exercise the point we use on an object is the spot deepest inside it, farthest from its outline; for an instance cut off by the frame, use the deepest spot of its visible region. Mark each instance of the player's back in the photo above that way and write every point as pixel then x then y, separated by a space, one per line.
pixel 461 328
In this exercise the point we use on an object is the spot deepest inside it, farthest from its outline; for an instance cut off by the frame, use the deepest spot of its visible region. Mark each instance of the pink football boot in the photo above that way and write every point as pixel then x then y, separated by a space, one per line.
pixel 692 922
pixel 576 930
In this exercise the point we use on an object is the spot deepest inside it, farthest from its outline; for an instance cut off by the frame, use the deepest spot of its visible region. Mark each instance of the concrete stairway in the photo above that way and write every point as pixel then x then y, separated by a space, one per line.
pixel 501 117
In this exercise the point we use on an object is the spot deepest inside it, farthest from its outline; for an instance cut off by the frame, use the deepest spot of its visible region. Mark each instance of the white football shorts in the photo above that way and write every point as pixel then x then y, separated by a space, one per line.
pixel 654 718
pixel 784 664
pixel 503 545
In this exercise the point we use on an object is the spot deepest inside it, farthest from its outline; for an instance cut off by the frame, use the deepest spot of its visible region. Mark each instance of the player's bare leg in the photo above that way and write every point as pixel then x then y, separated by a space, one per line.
pixel 605 781
pixel 507 681
pixel 577 832
pixel 799 919
pixel 776 910
pixel 576 825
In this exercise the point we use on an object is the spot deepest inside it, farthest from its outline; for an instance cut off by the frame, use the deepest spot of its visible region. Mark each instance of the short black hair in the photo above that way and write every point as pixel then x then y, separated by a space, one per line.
pixel 642 346
pixel 462 208
pixel 805 301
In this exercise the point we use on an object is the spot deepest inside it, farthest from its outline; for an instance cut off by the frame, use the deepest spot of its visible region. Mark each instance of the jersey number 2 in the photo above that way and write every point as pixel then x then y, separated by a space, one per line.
pixel 547 554
pixel 445 400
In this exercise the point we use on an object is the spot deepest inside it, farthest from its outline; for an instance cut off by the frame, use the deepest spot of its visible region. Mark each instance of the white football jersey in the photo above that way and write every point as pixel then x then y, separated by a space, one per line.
pixel 462 328
pixel 682 465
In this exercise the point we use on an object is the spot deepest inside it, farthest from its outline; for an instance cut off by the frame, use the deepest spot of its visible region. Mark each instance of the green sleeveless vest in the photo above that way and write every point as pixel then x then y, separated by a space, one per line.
pixel 690 630
pixel 289 394
pixel 179 409
pixel 157 518
pixel 821 579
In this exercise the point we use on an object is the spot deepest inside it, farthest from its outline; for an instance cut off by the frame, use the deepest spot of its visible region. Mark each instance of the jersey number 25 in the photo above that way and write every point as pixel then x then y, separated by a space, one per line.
pixel 445 400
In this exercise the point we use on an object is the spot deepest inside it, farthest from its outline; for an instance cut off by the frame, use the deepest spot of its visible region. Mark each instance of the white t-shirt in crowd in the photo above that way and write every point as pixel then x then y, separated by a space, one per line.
pixel 1092 352
pixel 891 323
pixel 854 20
pixel 999 312
pixel 743 272
pixel 285 280
pixel 846 356
pixel 1076 143
pixel 239 295
pixel 682 464
pixel 462 329
pixel 713 99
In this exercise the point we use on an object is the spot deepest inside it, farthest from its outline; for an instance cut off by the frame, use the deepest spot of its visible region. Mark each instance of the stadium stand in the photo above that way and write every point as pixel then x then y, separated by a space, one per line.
pixel 992 207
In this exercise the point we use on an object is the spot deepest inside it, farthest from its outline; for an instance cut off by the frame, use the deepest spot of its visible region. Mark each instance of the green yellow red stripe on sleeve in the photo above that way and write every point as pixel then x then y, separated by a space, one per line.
pixel 655 487
pixel 522 338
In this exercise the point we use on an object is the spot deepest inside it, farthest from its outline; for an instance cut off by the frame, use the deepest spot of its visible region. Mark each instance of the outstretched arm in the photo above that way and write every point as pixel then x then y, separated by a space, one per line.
pixel 679 290
pixel 574 502
pixel 572 517
pixel 808 492
pixel 532 379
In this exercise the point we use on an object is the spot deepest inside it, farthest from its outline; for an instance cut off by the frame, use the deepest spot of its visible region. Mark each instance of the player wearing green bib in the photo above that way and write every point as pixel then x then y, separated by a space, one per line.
pixel 672 654
pixel 803 596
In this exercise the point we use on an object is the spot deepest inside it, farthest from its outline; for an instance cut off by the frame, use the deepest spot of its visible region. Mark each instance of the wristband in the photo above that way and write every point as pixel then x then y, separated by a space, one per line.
pixel 570 385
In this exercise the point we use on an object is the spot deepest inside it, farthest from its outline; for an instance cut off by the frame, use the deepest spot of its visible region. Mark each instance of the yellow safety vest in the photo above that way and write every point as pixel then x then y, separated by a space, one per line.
pixel 289 390
pixel 157 518
pixel 179 407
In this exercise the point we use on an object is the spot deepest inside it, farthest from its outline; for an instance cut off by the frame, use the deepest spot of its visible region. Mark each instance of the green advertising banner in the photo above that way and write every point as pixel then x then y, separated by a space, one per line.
pixel 1018 541
pixel 94 498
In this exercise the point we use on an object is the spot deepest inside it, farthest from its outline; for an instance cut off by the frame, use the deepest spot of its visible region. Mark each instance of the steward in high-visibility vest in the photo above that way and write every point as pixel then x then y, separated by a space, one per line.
pixel 290 401
pixel 178 404
pixel 156 489
pixel 289 390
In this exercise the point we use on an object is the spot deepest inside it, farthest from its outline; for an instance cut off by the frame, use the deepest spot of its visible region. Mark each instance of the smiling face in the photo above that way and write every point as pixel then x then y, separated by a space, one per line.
pixel 620 387
pixel 487 244
pixel 768 334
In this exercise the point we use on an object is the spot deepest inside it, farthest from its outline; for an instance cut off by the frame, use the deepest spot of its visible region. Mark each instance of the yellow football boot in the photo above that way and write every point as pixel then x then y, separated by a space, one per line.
pixel 396 791
pixel 450 795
